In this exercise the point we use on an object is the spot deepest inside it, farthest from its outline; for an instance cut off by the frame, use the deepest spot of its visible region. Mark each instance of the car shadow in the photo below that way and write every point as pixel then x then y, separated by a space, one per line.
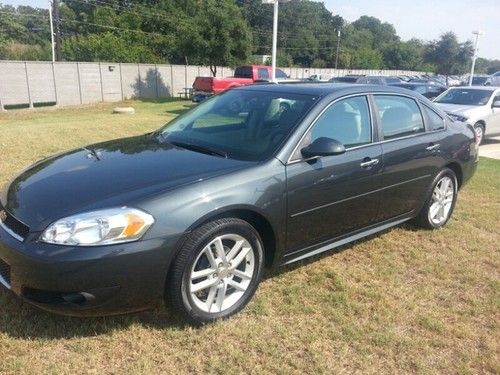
pixel 20 320
pixel 491 141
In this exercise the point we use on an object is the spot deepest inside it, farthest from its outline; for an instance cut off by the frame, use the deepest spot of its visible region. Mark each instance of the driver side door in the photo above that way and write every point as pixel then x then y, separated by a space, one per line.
pixel 332 196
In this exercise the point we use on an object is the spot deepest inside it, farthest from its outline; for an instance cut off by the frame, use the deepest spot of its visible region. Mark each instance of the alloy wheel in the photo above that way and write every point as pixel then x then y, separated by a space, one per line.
pixel 221 273
pixel 441 201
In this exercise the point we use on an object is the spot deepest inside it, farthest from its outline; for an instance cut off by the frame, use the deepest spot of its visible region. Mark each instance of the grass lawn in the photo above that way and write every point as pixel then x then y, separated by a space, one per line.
pixel 407 301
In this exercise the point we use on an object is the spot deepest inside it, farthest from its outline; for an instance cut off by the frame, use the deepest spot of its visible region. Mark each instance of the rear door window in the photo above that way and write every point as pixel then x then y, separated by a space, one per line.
pixel 400 116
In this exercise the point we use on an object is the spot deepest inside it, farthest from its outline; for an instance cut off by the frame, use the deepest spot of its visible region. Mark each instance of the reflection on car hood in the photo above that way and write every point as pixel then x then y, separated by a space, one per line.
pixel 113 173
pixel 457 108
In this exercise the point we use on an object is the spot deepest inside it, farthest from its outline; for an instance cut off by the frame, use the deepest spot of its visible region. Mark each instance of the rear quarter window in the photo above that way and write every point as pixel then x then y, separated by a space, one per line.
pixel 243 72
pixel 436 122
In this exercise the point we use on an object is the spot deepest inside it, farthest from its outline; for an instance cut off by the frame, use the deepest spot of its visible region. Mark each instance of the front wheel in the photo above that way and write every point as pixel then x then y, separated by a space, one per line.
pixel 439 206
pixel 216 272
pixel 479 129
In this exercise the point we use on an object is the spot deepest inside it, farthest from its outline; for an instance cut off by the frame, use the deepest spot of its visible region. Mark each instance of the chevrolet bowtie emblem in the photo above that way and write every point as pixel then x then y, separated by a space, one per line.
pixel 3 215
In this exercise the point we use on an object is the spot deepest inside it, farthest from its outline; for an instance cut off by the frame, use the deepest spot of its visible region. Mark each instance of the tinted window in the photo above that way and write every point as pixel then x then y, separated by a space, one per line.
pixel 347 121
pixel 371 81
pixel 263 74
pixel 436 121
pixel 280 74
pixel 400 116
pixel 392 80
pixel 243 72
pixel 247 125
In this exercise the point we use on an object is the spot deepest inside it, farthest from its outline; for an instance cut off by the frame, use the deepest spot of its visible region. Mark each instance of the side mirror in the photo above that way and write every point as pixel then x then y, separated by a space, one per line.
pixel 496 104
pixel 323 147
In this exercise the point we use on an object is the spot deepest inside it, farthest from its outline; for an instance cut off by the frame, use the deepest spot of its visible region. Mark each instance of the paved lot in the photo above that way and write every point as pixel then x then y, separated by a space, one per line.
pixel 490 148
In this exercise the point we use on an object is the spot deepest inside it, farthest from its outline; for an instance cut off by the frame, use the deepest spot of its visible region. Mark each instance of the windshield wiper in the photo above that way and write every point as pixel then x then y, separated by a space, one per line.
pixel 199 148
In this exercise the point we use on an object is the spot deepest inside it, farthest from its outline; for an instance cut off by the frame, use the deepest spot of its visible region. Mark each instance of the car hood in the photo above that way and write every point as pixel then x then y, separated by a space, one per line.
pixel 459 108
pixel 109 174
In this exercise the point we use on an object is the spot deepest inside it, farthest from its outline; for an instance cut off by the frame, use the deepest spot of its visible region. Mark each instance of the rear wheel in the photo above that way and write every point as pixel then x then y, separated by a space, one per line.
pixel 216 272
pixel 439 206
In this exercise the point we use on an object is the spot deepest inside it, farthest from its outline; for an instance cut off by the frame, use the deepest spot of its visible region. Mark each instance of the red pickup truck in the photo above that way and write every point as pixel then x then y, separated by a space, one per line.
pixel 243 75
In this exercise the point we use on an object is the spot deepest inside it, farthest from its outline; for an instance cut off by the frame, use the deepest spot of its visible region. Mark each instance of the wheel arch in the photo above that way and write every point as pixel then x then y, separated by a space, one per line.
pixel 257 219
pixel 457 169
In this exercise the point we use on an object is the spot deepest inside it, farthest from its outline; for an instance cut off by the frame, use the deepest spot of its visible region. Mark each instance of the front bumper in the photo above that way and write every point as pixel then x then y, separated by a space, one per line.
pixel 86 281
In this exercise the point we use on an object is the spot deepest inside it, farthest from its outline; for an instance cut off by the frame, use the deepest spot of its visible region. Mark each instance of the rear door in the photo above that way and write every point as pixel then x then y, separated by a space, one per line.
pixel 333 195
pixel 411 154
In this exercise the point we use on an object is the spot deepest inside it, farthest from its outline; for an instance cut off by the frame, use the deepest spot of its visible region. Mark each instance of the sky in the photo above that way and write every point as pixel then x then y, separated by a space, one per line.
pixel 423 19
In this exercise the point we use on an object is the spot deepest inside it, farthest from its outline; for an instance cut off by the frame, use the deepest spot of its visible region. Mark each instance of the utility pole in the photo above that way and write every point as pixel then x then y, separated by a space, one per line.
pixel 338 49
pixel 57 20
pixel 474 57
pixel 52 43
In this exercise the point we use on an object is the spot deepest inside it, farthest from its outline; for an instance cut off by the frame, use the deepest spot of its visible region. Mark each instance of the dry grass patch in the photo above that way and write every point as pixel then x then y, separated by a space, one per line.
pixel 407 301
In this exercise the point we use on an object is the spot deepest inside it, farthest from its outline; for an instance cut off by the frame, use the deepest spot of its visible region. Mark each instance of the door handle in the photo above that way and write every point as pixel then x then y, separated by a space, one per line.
pixel 369 163
pixel 433 147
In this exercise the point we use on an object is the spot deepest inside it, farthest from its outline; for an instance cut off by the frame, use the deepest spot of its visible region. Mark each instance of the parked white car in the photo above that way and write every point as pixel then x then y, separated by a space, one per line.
pixel 477 105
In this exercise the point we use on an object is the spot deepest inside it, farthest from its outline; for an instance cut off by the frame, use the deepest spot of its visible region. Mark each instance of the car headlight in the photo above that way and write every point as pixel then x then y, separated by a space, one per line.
pixel 103 227
pixel 456 117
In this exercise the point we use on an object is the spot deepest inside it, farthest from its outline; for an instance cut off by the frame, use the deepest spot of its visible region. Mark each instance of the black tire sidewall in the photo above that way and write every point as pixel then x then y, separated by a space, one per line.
pixel 234 226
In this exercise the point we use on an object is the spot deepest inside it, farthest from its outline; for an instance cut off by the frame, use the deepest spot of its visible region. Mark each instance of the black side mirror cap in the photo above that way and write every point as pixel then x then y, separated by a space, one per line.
pixel 323 147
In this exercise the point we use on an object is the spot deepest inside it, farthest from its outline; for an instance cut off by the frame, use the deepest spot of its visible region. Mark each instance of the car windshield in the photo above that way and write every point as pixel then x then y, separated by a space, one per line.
pixel 239 124
pixel 464 96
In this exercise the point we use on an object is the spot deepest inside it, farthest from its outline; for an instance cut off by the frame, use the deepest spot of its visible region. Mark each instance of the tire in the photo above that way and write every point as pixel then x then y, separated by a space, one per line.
pixel 219 274
pixel 479 129
pixel 439 197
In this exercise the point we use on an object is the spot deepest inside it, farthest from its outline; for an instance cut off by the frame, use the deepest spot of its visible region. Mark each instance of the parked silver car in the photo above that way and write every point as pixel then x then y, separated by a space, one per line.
pixel 494 79
pixel 478 106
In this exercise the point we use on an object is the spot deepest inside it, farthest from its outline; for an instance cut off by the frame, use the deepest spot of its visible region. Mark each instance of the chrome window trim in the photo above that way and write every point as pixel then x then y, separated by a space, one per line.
pixel 289 161
pixel 366 94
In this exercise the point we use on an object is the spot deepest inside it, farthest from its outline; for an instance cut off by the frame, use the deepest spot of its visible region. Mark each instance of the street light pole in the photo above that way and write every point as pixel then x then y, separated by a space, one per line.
pixel 338 49
pixel 275 41
pixel 52 32
pixel 275 35
pixel 474 57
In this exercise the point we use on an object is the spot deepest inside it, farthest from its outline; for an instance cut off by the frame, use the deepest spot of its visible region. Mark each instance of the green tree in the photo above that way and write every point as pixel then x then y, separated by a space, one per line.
pixel 448 55
pixel 107 47
pixel 218 35
pixel 404 55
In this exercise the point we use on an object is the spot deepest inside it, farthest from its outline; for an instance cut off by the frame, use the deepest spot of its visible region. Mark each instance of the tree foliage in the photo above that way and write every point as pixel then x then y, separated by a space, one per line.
pixel 224 32
pixel 448 55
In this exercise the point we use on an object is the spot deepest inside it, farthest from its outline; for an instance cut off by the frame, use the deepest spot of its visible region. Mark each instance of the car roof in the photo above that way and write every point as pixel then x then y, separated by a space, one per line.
pixel 488 88
pixel 322 89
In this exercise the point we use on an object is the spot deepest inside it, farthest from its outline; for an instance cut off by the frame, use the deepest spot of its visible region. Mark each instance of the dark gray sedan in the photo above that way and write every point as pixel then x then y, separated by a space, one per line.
pixel 259 176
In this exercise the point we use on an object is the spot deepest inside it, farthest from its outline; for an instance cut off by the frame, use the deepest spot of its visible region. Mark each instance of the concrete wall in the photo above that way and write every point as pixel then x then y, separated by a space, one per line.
pixel 74 83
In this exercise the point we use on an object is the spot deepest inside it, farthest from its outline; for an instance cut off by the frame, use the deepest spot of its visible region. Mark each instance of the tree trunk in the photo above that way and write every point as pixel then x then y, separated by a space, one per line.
pixel 213 69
